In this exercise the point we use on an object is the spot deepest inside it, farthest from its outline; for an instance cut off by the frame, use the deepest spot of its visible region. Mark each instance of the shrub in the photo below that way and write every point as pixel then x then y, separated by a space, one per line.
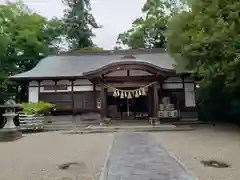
pixel 36 108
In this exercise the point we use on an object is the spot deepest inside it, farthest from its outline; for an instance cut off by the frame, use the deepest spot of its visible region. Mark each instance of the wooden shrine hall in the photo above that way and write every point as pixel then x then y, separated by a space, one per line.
pixel 124 84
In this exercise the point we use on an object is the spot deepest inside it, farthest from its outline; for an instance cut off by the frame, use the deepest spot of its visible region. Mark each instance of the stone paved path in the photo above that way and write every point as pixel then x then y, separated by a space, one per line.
pixel 137 156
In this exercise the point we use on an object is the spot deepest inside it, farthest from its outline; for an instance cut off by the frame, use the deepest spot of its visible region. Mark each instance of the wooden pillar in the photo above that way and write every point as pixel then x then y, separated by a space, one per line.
pixel 195 98
pixel 55 85
pixel 72 94
pixel 134 108
pixel 150 102
pixel 183 86
pixel 25 95
pixel 103 101
pixel 94 97
pixel 39 86
pixel 160 96
pixel 155 100
pixel 24 92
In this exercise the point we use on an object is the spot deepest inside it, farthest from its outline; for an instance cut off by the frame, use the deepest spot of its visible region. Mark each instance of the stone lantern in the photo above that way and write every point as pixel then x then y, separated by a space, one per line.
pixel 10 132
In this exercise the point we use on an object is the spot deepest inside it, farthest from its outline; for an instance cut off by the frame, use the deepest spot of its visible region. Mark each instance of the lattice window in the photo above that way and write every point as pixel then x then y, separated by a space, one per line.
pixel 57 87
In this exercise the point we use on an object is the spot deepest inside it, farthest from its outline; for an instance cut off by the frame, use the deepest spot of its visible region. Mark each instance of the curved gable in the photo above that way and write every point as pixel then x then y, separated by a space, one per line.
pixel 137 65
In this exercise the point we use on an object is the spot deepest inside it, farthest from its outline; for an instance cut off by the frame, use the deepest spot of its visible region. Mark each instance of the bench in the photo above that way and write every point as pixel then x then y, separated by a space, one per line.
pixel 31 122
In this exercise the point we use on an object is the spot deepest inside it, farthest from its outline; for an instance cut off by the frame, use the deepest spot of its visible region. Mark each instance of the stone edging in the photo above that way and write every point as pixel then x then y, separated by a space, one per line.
pixel 114 130
pixel 104 173
pixel 179 162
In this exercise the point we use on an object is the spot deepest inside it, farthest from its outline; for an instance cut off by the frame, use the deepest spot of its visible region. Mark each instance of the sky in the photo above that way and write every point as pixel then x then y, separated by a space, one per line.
pixel 116 16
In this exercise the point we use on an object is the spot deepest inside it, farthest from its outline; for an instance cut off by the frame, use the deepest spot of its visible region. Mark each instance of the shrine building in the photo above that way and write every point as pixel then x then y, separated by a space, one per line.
pixel 123 84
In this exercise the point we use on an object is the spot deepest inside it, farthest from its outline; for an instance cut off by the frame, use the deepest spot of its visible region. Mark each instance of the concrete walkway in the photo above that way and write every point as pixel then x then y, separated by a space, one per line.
pixel 137 156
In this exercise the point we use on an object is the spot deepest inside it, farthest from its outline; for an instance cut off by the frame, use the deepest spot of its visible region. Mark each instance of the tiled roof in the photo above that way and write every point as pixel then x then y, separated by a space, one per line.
pixel 74 64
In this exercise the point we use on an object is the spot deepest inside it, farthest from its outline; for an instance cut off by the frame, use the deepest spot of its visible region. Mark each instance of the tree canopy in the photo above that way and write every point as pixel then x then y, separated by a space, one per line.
pixel 79 23
pixel 206 40
pixel 207 37
pixel 149 30
pixel 202 37
pixel 25 38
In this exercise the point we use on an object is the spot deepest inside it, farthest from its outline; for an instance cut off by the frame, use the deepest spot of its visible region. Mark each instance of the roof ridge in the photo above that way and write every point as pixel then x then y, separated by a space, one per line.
pixel 113 52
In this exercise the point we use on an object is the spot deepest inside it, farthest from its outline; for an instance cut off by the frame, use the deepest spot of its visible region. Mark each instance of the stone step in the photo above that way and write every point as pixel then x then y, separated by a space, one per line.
pixel 68 126
pixel 129 129
pixel 190 122
pixel 58 128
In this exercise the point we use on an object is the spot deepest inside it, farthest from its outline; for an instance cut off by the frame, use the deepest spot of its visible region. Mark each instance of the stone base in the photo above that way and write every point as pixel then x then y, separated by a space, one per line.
pixel 7 135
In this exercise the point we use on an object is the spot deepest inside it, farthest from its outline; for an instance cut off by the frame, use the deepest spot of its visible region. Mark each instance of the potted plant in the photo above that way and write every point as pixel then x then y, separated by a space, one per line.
pixel 32 113
pixel 36 108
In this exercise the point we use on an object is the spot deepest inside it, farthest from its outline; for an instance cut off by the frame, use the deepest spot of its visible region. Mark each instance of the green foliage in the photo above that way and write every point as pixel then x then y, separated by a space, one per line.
pixel 149 30
pixel 25 38
pixel 206 40
pixel 91 49
pixel 206 37
pixel 36 108
pixel 79 22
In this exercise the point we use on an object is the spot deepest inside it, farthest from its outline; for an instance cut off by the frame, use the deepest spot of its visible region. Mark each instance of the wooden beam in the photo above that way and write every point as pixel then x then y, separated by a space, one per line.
pixel 132 66
pixel 47 85
pixel 103 101
pixel 128 72
pixel 39 89
pixel 94 96
pixel 55 85
pixel 133 78
pixel 72 93
pixel 183 84
pixel 150 101
pixel 155 100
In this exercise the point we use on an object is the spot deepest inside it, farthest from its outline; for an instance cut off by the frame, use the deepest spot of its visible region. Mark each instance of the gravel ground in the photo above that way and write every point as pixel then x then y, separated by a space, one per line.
pixel 38 156
pixel 221 143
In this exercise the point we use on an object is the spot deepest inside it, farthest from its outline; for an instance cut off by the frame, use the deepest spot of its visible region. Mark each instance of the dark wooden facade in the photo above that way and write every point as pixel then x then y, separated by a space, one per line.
pixel 72 102
pixel 79 94
pixel 70 98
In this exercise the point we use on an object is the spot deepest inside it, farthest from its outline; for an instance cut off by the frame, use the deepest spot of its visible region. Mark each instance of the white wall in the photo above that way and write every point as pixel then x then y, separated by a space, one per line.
pixel 173 83
pixel 189 89
pixel 172 86
pixel 82 82
pixel 79 85
pixel 46 82
pixel 33 94
pixel 190 95
pixel 173 79
pixel 33 83
pixel 117 73
pixel 33 91
pixel 179 79
pixel 135 72
pixel 86 85
pixel 83 88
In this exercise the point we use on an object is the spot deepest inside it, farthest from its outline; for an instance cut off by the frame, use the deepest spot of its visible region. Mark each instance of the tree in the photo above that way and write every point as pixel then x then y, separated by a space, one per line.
pixel 149 30
pixel 206 40
pixel 25 38
pixel 79 23
pixel 91 49
pixel 207 37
